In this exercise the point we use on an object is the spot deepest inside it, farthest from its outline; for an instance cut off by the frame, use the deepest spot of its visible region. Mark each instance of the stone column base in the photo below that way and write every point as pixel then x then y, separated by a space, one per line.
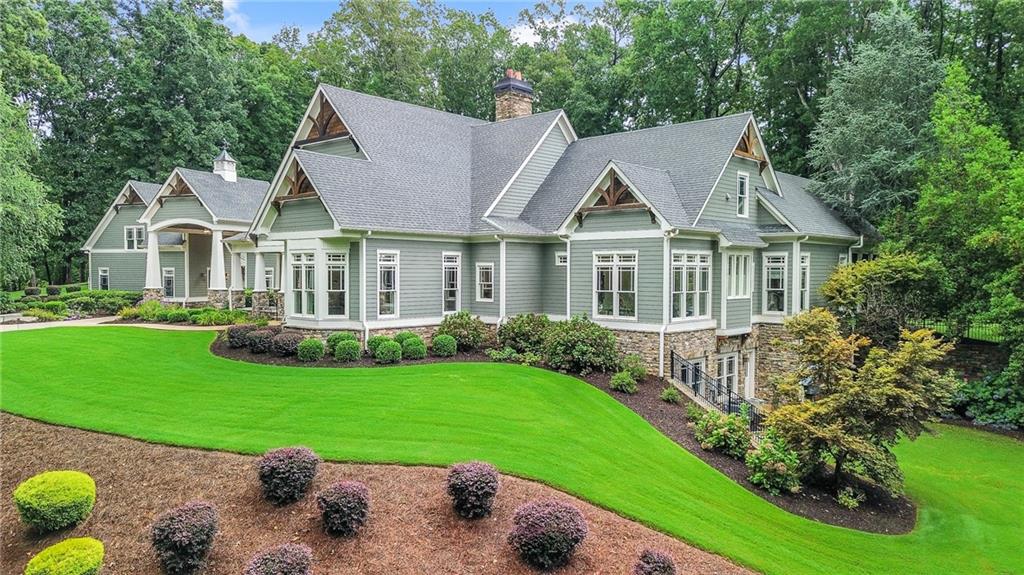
pixel 152 293
pixel 217 298
pixel 260 304
pixel 237 299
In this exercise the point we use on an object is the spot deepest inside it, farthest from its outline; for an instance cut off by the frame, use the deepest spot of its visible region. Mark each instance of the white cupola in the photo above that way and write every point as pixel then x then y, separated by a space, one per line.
pixel 224 166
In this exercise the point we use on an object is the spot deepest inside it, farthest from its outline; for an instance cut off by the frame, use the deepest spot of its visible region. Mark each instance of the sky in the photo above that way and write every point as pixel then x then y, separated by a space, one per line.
pixel 261 19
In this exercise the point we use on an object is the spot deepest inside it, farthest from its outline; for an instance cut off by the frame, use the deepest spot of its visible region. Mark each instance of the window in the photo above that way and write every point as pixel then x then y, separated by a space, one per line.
pixel 691 285
pixel 692 372
pixel 774 282
pixel 742 195
pixel 134 237
pixel 104 279
pixel 337 283
pixel 561 259
pixel 615 285
pixel 842 259
pixel 451 280
pixel 168 275
pixel 268 277
pixel 387 283
pixel 738 275
pixel 304 284
pixel 727 379
pixel 805 282
pixel 485 282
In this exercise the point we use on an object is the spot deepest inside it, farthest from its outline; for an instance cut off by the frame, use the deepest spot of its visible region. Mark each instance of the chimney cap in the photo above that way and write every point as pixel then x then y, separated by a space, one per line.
pixel 513 82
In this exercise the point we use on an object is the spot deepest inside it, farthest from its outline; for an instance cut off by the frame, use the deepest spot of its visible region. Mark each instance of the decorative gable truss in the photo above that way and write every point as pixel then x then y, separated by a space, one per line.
pixel 291 184
pixel 126 197
pixel 612 191
pixel 296 186
pixel 751 148
pixel 321 123
pixel 174 187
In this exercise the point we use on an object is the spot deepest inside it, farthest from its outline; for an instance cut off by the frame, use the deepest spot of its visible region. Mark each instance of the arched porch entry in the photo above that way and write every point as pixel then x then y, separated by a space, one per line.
pixel 205 253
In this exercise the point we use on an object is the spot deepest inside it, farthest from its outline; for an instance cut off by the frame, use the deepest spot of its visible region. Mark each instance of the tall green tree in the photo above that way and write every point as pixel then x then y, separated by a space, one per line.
pixel 25 68
pixel 874 126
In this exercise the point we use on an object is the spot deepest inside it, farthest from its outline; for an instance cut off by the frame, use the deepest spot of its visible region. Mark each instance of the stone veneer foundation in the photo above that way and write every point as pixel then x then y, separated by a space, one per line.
pixel 217 298
pixel 152 293
pixel 773 359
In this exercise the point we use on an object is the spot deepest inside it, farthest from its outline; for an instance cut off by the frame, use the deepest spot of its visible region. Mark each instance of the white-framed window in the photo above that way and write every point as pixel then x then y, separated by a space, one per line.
pixel 843 259
pixel 337 284
pixel 727 372
pixel 691 285
pixel 387 283
pixel 561 259
pixel 615 285
pixel 692 371
pixel 451 282
pixel 738 276
pixel 773 282
pixel 303 284
pixel 168 282
pixel 743 194
pixel 268 277
pixel 135 237
pixel 104 278
pixel 805 282
pixel 485 282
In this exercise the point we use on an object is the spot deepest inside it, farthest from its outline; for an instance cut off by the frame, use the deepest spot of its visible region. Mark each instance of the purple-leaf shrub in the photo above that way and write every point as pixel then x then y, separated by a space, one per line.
pixel 260 340
pixel 344 507
pixel 287 559
pixel 654 562
pixel 472 487
pixel 286 344
pixel 545 534
pixel 287 473
pixel 184 535
pixel 238 335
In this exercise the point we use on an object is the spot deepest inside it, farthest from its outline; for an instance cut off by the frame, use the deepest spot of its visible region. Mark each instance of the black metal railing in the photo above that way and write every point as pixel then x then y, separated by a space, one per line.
pixel 962 329
pixel 717 394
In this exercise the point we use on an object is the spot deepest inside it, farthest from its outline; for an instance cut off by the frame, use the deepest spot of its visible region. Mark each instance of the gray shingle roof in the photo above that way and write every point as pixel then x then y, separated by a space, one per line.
pixel 655 185
pixel 146 190
pixel 744 235
pixel 693 155
pixel 805 211
pixel 239 200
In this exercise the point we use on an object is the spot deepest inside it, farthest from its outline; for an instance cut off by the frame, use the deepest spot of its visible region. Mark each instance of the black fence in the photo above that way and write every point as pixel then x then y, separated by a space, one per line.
pixel 953 329
pixel 714 392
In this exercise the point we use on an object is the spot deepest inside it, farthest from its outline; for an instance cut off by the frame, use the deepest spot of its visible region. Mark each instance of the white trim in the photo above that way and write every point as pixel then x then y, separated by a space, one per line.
pixel 99 278
pixel 776 213
pixel 559 256
pixel 774 319
pixel 420 322
pixel 800 281
pixel 398 295
pixel 163 280
pixel 568 277
pixel 562 229
pixel 309 234
pixel 764 283
pixel 135 238
pixel 501 279
pixel 746 195
pixel 615 317
pixel 108 216
pixel 346 277
pixel 750 383
pixel 189 221
pixel 748 274
pixel 670 287
pixel 692 325
pixel 723 359
pixel 363 265
pixel 590 236
pixel 458 281
pixel 764 152
pixel 479 266
pixel 733 331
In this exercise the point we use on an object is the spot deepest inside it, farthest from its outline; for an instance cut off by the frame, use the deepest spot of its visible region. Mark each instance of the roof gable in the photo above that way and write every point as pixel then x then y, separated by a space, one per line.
pixel 236 201
pixel 624 186
pixel 144 191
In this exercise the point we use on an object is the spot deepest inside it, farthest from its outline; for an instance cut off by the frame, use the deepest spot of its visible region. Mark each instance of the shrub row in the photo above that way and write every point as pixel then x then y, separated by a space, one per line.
pixel 577 345
pixel 155 311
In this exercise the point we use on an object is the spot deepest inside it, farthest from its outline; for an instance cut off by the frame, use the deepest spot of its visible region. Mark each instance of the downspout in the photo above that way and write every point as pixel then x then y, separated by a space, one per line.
pixel 501 264
pixel 849 250
pixel 568 275
pixel 796 283
pixel 666 304
pixel 362 287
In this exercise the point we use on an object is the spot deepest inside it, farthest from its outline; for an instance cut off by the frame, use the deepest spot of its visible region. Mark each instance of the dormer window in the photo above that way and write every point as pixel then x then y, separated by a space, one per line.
pixel 743 195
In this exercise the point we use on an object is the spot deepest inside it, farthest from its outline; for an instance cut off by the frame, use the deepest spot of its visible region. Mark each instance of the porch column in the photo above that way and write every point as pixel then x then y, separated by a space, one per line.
pixel 154 287
pixel 260 278
pixel 237 281
pixel 217 261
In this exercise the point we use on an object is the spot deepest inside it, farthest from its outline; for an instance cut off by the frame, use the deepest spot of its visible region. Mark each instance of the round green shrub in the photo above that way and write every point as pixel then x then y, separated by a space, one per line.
pixel 401 336
pixel 348 350
pixel 337 337
pixel 444 346
pixel 467 329
pixel 581 346
pixel 623 381
pixel 30 298
pixel 524 332
pixel 389 351
pixel 72 288
pixel 31 291
pixel 634 364
pixel 77 556
pixel 414 348
pixel 178 316
pixel 374 342
pixel 56 306
pixel 53 290
pixel 55 499
pixel 310 349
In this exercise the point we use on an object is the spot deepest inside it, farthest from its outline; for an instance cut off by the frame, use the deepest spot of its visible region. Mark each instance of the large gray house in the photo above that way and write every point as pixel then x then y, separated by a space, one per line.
pixel 385 216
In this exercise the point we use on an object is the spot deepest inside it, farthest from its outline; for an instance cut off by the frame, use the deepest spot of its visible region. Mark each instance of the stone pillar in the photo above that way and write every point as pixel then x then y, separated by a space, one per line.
pixel 153 279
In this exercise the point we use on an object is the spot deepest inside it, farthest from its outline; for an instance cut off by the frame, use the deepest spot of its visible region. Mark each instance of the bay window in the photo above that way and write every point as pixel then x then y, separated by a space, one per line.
pixel 451 292
pixel 387 284
pixel 337 284
pixel 691 285
pixel 304 284
pixel 615 285
pixel 485 282
pixel 774 283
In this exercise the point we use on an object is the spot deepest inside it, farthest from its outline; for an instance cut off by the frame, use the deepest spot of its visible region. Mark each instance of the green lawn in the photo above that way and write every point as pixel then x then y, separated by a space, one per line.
pixel 167 387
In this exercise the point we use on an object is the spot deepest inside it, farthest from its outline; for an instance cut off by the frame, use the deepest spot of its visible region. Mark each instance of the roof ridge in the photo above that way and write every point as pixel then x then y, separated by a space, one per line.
pixel 652 168
pixel 675 125
pixel 421 106
pixel 510 120
pixel 212 173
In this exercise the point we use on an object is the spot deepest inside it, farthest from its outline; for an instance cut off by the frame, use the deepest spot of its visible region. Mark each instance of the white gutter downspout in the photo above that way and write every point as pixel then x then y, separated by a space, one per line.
pixel 362 288
pixel 666 299
pixel 568 275
pixel 796 283
pixel 849 250
pixel 501 264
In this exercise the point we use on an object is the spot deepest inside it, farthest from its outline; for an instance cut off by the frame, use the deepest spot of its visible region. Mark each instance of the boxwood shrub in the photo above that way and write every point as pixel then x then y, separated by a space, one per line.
pixel 348 350
pixel 467 329
pixel 287 343
pixel 579 345
pixel 72 288
pixel 401 336
pixel 374 342
pixel 237 335
pixel 56 306
pixel 55 499
pixel 287 559
pixel 444 346
pixel 545 534
pixel 344 507
pixel 634 365
pixel 53 290
pixel 623 381
pixel 472 487
pixel 337 337
pixel 31 291
pixel 261 340
pixel 310 349
pixel 76 556
pixel 414 348
pixel 389 351
pixel 181 316
pixel 286 473
pixel 652 562
pixel 183 536
pixel 524 332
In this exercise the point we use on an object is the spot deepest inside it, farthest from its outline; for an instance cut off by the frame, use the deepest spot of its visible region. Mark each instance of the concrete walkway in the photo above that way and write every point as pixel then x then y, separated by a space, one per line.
pixel 104 321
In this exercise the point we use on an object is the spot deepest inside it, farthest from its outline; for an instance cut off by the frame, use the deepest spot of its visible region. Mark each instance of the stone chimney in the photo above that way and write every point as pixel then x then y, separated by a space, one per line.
pixel 513 96
pixel 224 166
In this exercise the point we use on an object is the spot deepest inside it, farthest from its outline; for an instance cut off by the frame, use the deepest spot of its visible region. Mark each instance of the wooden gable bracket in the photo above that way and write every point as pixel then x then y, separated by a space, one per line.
pixel 299 188
pixel 327 125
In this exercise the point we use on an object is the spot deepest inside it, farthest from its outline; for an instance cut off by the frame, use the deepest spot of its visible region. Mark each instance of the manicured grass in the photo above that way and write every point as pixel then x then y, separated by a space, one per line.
pixel 167 387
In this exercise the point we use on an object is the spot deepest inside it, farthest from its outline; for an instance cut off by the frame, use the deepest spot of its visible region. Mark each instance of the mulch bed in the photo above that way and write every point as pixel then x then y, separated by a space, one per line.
pixel 412 529
pixel 879 513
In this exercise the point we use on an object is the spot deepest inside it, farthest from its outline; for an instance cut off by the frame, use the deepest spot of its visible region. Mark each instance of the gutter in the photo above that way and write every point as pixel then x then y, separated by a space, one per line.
pixel 501 263
pixel 665 300
pixel 849 250
pixel 362 287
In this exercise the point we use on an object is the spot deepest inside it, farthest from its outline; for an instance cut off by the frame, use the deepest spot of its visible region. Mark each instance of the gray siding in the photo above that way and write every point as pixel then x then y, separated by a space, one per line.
pixel 113 236
pixel 524 280
pixel 717 268
pixel 303 216
pixel 738 311
pixel 345 148
pixel 720 208
pixel 553 291
pixel 765 218
pixel 269 260
pixel 824 259
pixel 127 270
pixel 419 275
pixel 174 260
pixel 198 261
pixel 355 271
pixel 481 253
pixel 617 221
pixel 187 207
pixel 649 275
pixel 527 182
